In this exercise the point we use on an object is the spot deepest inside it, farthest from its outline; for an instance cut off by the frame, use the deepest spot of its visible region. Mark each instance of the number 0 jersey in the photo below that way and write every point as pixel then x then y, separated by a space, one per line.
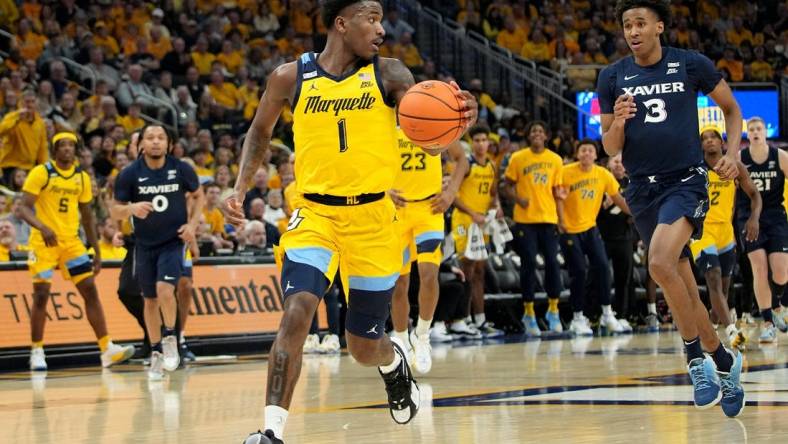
pixel 59 194
pixel 345 134
pixel 165 188
pixel 420 174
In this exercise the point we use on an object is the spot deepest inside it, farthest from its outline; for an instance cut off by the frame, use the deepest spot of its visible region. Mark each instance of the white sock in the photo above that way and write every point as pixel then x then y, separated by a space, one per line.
pixel 607 311
pixel 423 326
pixel 480 319
pixel 730 329
pixel 393 366
pixel 182 338
pixel 440 325
pixel 403 336
pixel 578 315
pixel 652 308
pixel 275 418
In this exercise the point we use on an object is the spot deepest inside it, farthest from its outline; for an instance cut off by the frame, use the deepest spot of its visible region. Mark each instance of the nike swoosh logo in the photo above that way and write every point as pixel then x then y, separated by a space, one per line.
pixel 630 77
pixel 687 178
pixel 168 278
pixel 143 179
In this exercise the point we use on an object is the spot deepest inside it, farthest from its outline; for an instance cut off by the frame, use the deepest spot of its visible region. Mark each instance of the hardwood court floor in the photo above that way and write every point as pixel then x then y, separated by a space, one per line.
pixel 600 390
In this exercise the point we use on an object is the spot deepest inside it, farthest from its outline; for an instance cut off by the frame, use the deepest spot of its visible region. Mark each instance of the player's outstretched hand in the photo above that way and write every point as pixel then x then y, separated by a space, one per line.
pixel 441 202
pixel 233 209
pixel 186 233
pixel 141 209
pixel 625 107
pixel 751 229
pixel 396 197
pixel 479 219
pixel 50 240
pixel 726 168
pixel 471 106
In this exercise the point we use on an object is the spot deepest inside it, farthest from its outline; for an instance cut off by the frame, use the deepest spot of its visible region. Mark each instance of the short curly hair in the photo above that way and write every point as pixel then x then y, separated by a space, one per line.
pixel 660 7
pixel 330 9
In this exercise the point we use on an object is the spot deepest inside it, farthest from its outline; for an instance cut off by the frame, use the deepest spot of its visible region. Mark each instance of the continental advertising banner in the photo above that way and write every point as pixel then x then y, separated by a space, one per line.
pixel 226 300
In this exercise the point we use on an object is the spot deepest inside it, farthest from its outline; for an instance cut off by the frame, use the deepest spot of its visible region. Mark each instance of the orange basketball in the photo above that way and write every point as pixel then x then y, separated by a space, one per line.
pixel 431 115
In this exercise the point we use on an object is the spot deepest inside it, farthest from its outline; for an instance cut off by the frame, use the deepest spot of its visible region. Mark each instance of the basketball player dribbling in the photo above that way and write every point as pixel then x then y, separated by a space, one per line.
pixel 649 114
pixel 343 103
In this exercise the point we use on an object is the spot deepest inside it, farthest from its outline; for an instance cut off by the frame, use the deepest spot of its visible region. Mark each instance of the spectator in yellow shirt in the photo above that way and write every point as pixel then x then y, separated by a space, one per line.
pixel 512 37
pixel 230 58
pixel 159 45
pixel 213 215
pixel 104 40
pixel 224 93
pixel 201 57
pixel 594 54
pixel 406 51
pixel 738 33
pixel 734 67
pixel 8 240
pixel 111 242
pixel 29 43
pixel 132 121
pixel 250 94
pixel 200 157
pixel 536 47
pixel 760 69
pixel 300 17
pixel 24 137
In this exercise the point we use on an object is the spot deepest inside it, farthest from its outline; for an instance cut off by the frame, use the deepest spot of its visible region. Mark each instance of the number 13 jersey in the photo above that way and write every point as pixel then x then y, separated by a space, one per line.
pixel 662 137
pixel 345 133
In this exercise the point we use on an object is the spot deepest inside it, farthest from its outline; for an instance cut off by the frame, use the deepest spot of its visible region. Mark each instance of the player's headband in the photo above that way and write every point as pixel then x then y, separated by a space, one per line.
pixel 60 136
pixel 711 128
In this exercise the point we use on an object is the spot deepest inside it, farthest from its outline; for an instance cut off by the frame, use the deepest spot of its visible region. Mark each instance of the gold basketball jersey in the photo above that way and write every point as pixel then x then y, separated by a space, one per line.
pixel 721 199
pixel 476 189
pixel 420 174
pixel 345 133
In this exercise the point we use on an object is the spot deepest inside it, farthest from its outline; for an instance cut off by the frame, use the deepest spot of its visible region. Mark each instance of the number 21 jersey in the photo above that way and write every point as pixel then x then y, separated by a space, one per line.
pixel 662 137
pixel 345 133
pixel 769 179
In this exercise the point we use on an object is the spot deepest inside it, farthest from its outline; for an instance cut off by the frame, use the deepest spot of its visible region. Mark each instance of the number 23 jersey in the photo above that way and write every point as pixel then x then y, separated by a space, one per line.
pixel 345 133
pixel 662 137
pixel 165 188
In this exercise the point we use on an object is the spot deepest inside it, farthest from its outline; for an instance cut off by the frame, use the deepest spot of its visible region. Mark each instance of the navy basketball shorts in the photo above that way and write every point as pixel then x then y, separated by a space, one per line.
pixel 724 261
pixel 158 264
pixel 665 199
pixel 773 234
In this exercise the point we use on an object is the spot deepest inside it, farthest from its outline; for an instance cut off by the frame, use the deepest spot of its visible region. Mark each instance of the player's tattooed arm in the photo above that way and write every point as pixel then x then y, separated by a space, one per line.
pixel 397 79
pixel 278 93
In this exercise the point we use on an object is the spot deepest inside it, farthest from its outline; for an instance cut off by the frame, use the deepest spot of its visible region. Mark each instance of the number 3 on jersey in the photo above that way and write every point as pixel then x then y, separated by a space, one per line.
pixel 655 111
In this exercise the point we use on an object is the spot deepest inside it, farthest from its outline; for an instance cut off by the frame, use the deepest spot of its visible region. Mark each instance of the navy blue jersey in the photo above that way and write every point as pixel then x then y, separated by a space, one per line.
pixel 662 137
pixel 770 181
pixel 166 189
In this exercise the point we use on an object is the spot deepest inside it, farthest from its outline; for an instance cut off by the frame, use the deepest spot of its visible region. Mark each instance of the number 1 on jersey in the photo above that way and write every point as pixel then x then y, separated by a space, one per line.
pixel 342 135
